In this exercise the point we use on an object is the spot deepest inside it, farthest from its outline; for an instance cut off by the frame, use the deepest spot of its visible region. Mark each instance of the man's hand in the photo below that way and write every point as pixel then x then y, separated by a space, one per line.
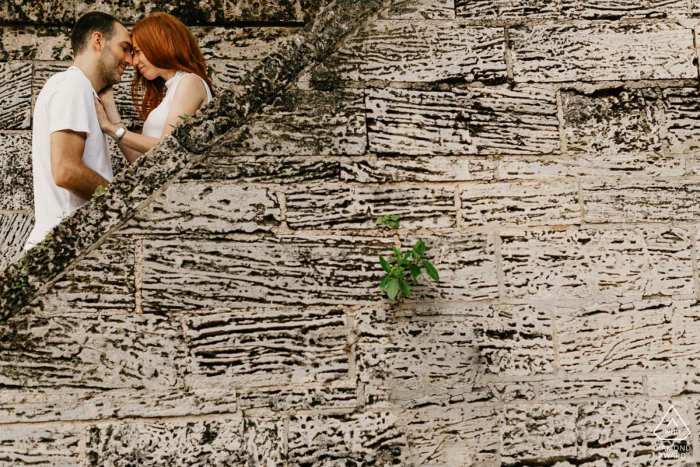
pixel 67 166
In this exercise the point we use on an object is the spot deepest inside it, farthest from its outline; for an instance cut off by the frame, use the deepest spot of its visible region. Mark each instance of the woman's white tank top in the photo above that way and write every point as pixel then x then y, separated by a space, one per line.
pixel 156 119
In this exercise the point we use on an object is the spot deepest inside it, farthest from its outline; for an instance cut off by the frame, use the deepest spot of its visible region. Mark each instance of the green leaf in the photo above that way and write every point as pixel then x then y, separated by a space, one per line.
pixel 393 289
pixel 385 283
pixel 415 272
pixel 432 272
pixel 100 190
pixel 419 247
pixel 384 264
pixel 405 288
pixel 397 251
pixel 404 260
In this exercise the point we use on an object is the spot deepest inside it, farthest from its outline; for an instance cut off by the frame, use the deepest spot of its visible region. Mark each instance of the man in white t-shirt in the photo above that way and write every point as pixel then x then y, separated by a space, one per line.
pixel 70 154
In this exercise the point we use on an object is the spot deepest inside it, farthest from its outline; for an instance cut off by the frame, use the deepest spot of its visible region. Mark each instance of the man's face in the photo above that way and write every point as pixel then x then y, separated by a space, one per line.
pixel 115 56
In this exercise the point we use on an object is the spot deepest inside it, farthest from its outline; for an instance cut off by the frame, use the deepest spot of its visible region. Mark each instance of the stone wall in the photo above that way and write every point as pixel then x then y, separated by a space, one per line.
pixel 546 153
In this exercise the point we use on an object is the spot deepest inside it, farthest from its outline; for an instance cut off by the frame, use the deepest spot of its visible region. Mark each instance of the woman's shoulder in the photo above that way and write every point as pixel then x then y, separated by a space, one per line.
pixel 191 86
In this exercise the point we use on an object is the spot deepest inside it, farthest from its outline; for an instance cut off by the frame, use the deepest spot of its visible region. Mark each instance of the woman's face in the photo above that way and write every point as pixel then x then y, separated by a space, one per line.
pixel 141 63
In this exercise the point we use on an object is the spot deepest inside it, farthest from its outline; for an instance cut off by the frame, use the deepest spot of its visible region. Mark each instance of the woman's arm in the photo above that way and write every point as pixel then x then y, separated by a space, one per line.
pixel 108 113
pixel 189 96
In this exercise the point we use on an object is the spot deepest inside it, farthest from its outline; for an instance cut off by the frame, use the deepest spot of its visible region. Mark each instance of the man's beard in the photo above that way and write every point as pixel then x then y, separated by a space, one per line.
pixel 108 69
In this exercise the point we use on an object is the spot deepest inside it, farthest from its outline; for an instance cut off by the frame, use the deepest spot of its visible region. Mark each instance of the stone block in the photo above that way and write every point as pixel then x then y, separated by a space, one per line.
pixel 333 395
pixel 273 11
pixel 205 274
pixel 304 123
pixel 266 347
pixel 241 43
pixel 227 74
pixel 613 122
pixel 52 446
pixel 14 230
pixel 15 95
pixel 371 438
pixel 71 404
pixel 529 203
pixel 417 169
pixel 190 13
pixel 589 387
pixel 419 9
pixel 619 200
pixel 682 117
pixel 91 350
pixel 602 52
pixel 480 121
pixel 34 43
pixel 645 335
pixel 203 207
pixel 675 385
pixel 341 206
pixel 588 263
pixel 507 9
pixel 228 441
pixel 38 12
pixel 102 282
pixel 452 435
pixel 598 165
pixel 276 170
pixel 16 183
pixel 572 9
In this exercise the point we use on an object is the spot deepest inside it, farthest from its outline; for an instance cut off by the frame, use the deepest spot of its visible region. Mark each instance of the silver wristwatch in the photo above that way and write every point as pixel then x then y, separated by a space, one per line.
pixel 119 133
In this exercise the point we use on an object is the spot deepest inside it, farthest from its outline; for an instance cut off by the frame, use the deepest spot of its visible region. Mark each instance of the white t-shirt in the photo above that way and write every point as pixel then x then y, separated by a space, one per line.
pixel 154 124
pixel 64 103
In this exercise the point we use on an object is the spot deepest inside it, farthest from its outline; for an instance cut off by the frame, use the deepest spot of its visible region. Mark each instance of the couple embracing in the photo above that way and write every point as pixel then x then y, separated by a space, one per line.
pixel 75 111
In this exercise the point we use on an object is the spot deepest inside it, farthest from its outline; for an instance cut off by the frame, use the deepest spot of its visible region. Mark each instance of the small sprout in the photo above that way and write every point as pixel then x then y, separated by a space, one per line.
pixel 403 267
pixel 392 221
pixel 184 117
pixel 100 190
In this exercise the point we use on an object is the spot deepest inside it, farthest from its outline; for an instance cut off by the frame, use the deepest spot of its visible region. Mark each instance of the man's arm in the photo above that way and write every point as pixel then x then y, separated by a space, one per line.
pixel 67 167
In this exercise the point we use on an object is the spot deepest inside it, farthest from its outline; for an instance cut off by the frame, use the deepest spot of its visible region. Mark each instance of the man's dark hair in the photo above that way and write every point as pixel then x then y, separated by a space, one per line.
pixel 95 21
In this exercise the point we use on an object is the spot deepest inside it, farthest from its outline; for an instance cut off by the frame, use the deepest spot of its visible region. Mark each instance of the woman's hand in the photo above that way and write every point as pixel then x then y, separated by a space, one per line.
pixel 105 125
pixel 107 98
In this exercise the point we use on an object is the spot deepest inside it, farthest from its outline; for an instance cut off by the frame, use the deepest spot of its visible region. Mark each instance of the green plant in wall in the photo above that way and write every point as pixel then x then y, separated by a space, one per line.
pixel 100 190
pixel 404 266
pixel 23 271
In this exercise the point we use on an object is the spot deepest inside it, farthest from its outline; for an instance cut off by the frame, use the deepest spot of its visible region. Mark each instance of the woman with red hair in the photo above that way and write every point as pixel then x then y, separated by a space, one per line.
pixel 170 82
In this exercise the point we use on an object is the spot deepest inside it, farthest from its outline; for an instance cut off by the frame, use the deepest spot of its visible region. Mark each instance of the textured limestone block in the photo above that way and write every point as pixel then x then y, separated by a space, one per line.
pixel 558 264
pixel 228 441
pixel 342 65
pixel 304 123
pixel 68 404
pixel 334 395
pixel 682 114
pixel 265 169
pixel 640 200
pixel 483 121
pixel 91 350
pixel 240 43
pixel 128 11
pixel 622 432
pixel 44 70
pixel 341 206
pixel 359 439
pixel 428 51
pixel 274 11
pixel 573 9
pixel 226 74
pixel 644 335
pixel 266 347
pixel 561 390
pixel 602 51
pixel 16 184
pixel 14 230
pixel 101 282
pixel 665 385
pixel 51 446
pixel 590 165
pixel 417 169
pixel 530 432
pixel 520 204
pixel 503 392
pixel 613 122
pixel 197 274
pixel 34 43
pixel 465 263
pixel 15 96
pixel 458 434
pixel 203 207
pixel 41 12
pixel 420 9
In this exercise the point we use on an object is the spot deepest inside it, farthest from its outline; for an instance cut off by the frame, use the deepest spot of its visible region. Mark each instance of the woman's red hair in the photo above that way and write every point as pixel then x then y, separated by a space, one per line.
pixel 167 44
